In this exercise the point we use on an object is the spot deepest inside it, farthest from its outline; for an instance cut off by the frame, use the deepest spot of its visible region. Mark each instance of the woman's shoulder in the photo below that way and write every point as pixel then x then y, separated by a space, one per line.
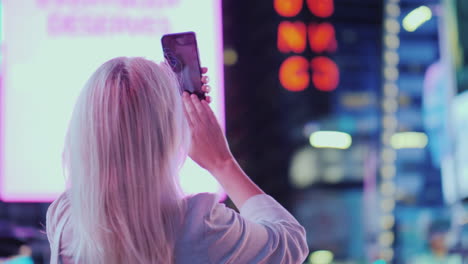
pixel 201 203
pixel 202 197
pixel 201 214
pixel 206 212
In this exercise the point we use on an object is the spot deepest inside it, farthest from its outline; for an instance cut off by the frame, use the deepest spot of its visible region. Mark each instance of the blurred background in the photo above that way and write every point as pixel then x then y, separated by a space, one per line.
pixel 351 113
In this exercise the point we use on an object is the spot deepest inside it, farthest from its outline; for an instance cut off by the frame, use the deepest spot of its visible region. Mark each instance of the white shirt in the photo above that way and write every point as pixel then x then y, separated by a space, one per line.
pixel 263 232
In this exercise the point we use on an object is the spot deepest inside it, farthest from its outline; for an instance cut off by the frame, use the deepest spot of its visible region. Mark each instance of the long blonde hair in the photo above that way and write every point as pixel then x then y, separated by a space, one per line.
pixel 127 138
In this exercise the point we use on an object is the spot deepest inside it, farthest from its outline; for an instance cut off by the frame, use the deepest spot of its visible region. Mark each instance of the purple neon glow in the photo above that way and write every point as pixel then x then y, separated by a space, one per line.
pixel 50 55
pixel 2 103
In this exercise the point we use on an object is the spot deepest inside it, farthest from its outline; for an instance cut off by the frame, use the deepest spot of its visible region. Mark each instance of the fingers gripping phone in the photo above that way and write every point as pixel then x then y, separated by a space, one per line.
pixel 181 52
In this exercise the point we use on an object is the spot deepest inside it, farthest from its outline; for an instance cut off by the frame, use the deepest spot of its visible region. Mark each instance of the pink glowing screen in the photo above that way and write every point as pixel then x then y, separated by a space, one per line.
pixel 51 47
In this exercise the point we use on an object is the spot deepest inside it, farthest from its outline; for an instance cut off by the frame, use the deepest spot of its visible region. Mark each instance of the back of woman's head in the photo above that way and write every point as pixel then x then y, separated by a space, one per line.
pixel 125 142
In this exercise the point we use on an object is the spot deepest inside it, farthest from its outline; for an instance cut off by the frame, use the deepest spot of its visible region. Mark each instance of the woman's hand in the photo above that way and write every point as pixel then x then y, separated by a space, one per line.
pixel 205 87
pixel 209 147
pixel 211 151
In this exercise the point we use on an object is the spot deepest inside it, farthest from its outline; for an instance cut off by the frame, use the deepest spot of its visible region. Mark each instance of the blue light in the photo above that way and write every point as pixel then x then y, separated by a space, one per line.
pixel 380 261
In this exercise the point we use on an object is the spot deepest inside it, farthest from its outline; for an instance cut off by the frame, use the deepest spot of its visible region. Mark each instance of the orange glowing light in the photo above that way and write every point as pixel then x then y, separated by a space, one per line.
pixel 292 37
pixel 325 74
pixel 322 37
pixel 294 74
pixel 288 8
pixel 321 8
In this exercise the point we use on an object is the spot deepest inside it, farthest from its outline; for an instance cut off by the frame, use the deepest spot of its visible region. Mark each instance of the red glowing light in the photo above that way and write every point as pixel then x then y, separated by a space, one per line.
pixel 325 74
pixel 292 37
pixel 294 74
pixel 288 8
pixel 322 37
pixel 321 8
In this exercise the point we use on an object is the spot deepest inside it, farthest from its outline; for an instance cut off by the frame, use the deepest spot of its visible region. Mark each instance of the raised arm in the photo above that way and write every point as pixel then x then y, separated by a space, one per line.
pixel 210 150
pixel 264 232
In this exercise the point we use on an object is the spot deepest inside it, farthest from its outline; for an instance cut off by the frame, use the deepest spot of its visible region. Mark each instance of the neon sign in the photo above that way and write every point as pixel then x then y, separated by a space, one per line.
pixel 297 72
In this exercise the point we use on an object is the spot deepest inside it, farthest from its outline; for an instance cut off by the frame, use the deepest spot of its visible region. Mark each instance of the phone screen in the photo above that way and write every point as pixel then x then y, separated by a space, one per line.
pixel 181 52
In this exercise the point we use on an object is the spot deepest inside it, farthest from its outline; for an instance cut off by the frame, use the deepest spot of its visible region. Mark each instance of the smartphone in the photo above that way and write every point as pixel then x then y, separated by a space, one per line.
pixel 181 53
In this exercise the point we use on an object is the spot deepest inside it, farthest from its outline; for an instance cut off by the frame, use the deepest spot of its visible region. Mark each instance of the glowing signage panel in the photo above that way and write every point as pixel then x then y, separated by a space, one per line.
pixel 50 49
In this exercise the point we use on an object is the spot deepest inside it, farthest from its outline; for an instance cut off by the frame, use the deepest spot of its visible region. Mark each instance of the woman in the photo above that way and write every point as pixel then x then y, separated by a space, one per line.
pixel 129 134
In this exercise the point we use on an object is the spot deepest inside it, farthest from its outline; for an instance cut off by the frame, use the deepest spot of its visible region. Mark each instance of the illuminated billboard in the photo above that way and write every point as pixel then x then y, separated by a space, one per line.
pixel 51 47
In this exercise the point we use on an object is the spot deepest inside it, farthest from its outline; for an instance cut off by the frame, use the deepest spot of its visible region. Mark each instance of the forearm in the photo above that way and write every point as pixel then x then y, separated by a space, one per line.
pixel 235 182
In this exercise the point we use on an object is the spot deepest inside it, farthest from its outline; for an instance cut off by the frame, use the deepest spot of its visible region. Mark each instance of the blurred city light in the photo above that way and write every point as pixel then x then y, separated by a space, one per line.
pixel 390 121
pixel 390 90
pixel 310 128
pixel 388 171
pixel 416 18
pixel 357 100
pixel 321 9
pixel 330 139
pixel 230 57
pixel 386 239
pixel 388 156
pixel 380 261
pixel 387 222
pixel 299 71
pixel 392 41
pixel 303 171
pixel 387 205
pixel 292 37
pixel 321 257
pixel 391 57
pixel 390 105
pixel 392 25
pixel 288 8
pixel 333 174
pixel 322 37
pixel 391 73
pixel 294 74
pixel 405 140
pixel 325 73
pixel 388 254
pixel 392 9
pixel 387 188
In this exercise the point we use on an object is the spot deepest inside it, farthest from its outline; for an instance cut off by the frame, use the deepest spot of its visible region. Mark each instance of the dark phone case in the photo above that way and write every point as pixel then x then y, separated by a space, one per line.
pixel 177 67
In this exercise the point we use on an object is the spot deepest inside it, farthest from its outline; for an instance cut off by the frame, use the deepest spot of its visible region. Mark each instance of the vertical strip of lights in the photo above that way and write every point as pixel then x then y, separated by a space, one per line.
pixel 391 42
